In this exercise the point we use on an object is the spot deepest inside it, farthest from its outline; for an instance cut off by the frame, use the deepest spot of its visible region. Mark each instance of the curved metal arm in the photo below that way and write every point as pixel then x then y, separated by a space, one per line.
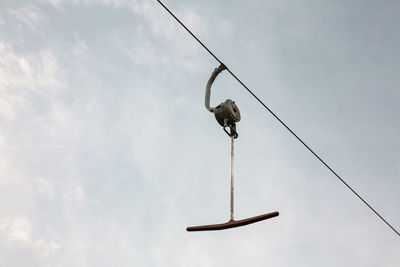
pixel 209 83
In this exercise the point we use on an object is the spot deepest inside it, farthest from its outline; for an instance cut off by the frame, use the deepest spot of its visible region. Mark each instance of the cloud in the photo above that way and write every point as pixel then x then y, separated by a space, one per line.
pixel 28 15
pixel 19 230
pixel 46 187
pixel 45 247
pixel 112 3
pixel 21 73
pixel 226 28
pixel 79 47
pixel 16 229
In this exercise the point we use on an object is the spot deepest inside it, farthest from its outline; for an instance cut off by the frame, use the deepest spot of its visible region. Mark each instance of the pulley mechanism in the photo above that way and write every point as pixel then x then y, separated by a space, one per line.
pixel 227 115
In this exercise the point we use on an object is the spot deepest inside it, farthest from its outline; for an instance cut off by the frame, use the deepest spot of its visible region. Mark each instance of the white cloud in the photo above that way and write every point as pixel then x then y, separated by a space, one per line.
pixel 53 2
pixel 79 193
pixel 27 71
pixel 192 20
pixel 29 15
pixel 159 24
pixel 183 52
pixel 113 3
pixel 19 230
pixel 45 247
pixel 23 73
pixel 226 28
pixel 46 187
pixel 79 47
pixel 143 52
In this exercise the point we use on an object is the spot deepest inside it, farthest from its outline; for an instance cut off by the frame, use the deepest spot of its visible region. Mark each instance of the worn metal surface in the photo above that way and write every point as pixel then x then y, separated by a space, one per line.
pixel 232 154
pixel 232 130
pixel 232 223
pixel 209 84
pixel 227 113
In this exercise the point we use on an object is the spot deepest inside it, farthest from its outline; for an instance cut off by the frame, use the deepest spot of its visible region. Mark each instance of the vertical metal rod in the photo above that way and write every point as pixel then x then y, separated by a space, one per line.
pixel 232 153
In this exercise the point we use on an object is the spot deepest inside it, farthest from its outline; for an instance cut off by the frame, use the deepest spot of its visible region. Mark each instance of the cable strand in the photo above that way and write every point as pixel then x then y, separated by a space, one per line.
pixel 283 123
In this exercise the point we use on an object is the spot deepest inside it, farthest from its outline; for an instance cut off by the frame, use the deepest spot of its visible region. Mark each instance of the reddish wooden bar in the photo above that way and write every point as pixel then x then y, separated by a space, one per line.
pixel 232 223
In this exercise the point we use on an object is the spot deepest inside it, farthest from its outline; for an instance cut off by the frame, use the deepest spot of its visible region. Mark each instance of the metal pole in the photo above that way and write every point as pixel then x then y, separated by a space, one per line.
pixel 232 139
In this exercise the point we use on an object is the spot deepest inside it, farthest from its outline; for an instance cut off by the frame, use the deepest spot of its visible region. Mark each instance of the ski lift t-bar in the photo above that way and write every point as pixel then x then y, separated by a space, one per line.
pixel 227 114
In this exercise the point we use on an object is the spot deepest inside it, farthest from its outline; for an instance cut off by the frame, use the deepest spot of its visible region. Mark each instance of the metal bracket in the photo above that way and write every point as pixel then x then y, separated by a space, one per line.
pixel 232 131
pixel 226 113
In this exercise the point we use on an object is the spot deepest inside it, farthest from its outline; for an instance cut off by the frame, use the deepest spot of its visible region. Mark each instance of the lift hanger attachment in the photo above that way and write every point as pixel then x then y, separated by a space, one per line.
pixel 227 114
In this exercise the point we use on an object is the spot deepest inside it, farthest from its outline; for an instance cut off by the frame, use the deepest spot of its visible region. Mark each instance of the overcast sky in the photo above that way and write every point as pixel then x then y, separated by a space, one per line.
pixel 107 152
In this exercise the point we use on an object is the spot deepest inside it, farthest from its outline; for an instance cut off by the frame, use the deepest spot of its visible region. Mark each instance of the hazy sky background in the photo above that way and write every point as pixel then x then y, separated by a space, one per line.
pixel 107 152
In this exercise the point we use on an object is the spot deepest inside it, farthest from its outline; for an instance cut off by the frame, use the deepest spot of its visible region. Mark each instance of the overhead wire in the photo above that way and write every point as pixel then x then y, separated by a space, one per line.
pixel 283 123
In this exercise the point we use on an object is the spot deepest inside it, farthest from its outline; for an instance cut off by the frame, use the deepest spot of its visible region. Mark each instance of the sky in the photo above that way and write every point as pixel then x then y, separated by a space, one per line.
pixel 107 152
